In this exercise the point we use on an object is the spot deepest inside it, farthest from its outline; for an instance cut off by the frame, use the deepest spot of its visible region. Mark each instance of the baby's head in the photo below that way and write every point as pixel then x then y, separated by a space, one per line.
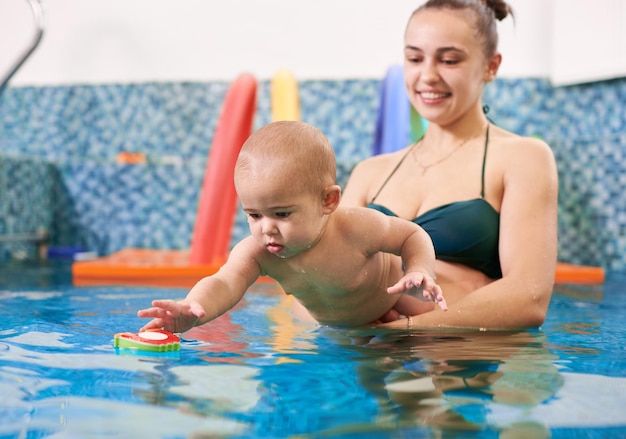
pixel 285 181
pixel 291 154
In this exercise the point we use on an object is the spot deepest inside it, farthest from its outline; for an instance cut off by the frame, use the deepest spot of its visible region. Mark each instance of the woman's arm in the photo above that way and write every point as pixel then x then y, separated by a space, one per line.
pixel 528 250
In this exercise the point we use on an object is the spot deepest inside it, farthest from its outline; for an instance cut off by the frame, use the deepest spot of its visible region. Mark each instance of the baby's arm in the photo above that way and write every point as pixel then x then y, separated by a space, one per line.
pixel 210 297
pixel 418 257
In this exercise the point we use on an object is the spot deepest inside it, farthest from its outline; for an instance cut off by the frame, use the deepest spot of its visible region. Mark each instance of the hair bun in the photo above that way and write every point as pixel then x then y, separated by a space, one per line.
pixel 499 7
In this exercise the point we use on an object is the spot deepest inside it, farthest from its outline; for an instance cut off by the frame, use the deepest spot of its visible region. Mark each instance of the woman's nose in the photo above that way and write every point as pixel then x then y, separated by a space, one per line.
pixel 429 72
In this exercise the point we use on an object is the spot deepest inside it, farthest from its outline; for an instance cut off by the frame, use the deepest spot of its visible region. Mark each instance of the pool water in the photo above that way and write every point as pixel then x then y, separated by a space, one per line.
pixel 258 373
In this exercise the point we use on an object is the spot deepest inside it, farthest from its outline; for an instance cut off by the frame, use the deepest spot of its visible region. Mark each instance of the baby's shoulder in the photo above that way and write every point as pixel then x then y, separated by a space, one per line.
pixel 355 221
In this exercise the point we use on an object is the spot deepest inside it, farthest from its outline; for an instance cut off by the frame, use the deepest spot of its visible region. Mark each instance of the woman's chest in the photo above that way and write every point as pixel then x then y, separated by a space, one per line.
pixel 412 192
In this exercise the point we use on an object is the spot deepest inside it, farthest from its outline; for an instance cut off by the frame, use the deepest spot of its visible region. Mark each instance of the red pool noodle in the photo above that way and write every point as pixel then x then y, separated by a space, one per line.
pixel 218 201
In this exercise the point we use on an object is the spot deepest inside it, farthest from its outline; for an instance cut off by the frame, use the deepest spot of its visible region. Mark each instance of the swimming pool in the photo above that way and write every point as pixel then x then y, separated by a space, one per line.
pixel 258 373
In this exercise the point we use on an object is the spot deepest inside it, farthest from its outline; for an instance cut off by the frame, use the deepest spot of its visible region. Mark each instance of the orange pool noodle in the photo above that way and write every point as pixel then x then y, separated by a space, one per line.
pixel 218 201
pixel 578 274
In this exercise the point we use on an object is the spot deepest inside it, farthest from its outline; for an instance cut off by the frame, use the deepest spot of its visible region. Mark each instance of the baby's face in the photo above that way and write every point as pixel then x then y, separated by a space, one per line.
pixel 283 217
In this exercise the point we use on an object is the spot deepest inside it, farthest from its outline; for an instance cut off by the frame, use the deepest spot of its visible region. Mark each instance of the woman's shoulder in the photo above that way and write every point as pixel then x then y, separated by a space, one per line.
pixel 523 159
pixel 517 147
pixel 366 177
pixel 381 161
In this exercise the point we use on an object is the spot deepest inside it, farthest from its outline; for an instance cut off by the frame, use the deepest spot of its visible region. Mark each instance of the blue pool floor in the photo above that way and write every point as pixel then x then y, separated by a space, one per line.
pixel 258 372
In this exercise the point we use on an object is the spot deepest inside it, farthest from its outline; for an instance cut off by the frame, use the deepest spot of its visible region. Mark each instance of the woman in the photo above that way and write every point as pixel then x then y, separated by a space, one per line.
pixel 487 197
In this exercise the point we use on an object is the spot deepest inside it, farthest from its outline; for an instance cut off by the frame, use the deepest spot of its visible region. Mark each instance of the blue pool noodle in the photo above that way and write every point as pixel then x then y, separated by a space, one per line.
pixel 397 123
pixel 393 119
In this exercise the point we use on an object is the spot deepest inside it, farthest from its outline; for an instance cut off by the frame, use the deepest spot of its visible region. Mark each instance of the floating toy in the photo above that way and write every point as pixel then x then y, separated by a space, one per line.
pixel 152 340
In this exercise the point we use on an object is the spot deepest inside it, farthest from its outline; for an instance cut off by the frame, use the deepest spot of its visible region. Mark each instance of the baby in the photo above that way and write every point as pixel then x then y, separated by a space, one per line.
pixel 340 263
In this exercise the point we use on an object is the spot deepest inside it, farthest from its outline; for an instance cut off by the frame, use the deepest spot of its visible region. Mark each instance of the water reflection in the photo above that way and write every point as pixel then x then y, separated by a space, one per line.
pixel 439 381
pixel 449 380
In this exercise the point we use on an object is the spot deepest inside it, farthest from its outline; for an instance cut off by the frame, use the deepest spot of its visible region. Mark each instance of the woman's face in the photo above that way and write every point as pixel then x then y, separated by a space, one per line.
pixel 444 65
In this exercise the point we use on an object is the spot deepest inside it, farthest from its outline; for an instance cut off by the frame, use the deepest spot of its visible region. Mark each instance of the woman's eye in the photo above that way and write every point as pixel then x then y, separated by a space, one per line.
pixel 413 56
pixel 450 62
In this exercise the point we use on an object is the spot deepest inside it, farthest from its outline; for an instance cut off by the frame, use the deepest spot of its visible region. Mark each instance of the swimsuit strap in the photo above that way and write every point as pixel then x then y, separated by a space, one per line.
pixel 482 188
pixel 394 170
pixel 482 182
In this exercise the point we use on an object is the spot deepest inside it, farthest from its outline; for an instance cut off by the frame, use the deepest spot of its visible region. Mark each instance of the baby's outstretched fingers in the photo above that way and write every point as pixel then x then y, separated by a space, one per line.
pixel 403 285
pixel 172 316
pixel 414 283
pixel 432 292
pixel 152 324
pixel 437 296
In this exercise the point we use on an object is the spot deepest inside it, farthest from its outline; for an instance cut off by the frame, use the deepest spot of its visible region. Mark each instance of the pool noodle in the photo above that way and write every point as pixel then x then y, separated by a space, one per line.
pixel 418 125
pixel 218 201
pixel 567 273
pixel 285 101
pixel 397 122
pixel 393 118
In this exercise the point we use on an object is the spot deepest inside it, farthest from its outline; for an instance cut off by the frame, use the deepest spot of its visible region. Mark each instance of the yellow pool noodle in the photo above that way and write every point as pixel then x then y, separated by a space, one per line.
pixel 284 96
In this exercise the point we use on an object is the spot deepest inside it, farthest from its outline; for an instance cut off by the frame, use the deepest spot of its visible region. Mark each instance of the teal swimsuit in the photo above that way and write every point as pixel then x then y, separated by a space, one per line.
pixel 465 232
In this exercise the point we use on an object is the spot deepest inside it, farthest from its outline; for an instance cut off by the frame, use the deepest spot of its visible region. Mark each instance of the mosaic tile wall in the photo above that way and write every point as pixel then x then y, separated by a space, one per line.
pixel 87 199
pixel 26 205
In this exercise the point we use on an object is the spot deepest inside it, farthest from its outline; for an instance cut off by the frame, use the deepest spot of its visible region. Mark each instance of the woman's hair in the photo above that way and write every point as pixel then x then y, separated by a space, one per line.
pixel 486 12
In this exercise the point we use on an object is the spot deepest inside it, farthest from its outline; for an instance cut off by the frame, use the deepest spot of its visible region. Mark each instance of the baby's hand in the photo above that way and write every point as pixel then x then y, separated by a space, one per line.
pixel 172 316
pixel 421 286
